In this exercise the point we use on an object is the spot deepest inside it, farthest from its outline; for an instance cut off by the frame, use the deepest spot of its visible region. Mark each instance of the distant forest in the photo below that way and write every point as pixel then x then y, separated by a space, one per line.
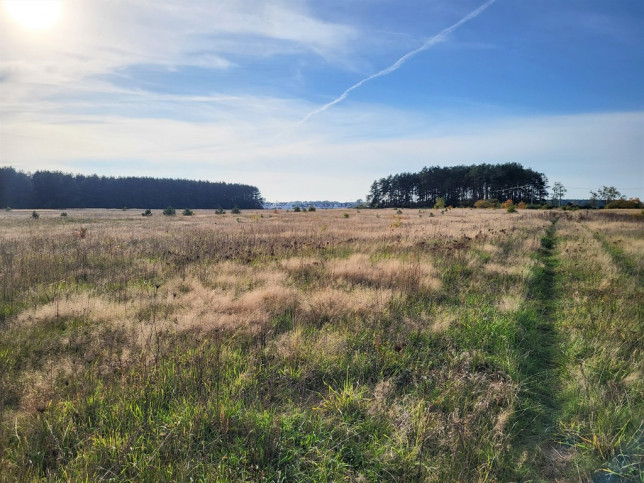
pixel 459 186
pixel 53 189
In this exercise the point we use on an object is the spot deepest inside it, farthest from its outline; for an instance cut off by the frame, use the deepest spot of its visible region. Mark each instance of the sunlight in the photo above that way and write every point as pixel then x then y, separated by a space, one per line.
pixel 34 14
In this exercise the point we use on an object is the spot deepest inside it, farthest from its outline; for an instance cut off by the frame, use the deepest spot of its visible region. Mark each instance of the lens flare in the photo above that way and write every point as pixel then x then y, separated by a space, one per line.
pixel 34 14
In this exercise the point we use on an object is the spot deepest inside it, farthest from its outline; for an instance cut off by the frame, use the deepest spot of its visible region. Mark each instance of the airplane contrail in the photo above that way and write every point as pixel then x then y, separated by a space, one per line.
pixel 396 65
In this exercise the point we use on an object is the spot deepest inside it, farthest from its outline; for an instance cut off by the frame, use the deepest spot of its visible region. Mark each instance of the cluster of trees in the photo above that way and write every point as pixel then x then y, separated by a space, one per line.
pixel 53 189
pixel 612 198
pixel 459 186
pixel 606 196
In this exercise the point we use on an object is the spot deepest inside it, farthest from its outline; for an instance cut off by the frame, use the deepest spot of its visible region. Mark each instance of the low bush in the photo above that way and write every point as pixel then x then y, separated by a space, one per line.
pixel 507 204
pixel 235 211
pixel 485 204
pixel 625 204
pixel 188 212
pixel 169 211
pixel 147 212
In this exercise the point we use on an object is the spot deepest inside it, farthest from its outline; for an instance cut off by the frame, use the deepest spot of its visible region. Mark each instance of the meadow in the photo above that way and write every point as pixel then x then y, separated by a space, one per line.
pixel 355 345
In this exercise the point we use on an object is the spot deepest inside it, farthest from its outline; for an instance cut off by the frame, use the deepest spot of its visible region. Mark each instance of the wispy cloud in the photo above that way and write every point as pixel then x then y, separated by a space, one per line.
pixel 336 160
pixel 103 37
pixel 396 65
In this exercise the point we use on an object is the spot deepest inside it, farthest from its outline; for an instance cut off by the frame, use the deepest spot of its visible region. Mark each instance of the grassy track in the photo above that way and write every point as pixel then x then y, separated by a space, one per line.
pixel 538 349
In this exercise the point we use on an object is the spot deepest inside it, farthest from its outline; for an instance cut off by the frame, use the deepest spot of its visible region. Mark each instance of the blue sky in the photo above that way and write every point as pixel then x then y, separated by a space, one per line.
pixel 234 90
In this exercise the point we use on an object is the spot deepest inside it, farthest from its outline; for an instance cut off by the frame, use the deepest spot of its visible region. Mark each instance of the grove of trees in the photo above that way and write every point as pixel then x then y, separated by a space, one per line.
pixel 459 186
pixel 53 189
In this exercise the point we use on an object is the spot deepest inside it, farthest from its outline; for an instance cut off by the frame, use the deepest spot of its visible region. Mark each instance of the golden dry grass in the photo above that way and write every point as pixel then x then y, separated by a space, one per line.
pixel 314 263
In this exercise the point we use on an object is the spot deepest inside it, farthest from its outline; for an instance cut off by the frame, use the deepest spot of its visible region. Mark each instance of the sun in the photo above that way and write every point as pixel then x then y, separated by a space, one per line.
pixel 34 14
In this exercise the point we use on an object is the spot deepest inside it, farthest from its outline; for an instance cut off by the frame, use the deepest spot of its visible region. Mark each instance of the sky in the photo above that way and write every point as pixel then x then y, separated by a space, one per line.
pixel 314 100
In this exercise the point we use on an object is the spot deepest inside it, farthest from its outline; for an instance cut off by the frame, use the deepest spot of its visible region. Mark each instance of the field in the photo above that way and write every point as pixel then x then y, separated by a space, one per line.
pixel 357 345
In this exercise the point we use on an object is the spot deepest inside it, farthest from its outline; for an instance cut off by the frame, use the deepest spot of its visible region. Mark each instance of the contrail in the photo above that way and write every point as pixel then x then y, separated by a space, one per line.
pixel 396 65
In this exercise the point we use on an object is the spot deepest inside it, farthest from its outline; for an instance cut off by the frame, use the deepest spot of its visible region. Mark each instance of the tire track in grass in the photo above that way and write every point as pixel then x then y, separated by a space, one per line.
pixel 537 348
pixel 621 259
pixel 629 461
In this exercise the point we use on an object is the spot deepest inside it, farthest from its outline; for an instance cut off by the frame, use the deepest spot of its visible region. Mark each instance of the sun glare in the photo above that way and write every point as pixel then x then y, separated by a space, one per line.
pixel 34 14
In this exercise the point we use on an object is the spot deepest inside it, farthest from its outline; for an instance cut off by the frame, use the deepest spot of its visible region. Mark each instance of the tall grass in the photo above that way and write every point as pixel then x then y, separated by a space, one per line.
pixel 476 345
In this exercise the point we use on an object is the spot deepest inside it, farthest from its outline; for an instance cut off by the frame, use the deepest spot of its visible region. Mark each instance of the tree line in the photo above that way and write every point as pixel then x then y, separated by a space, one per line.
pixel 54 189
pixel 459 186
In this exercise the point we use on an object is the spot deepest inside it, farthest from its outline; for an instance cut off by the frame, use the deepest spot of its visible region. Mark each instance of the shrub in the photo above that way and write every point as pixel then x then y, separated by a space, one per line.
pixel 64 214
pixel 235 211
pixel 312 208
pixel 220 211
pixel 512 209
pixel 297 209
pixel 624 204
pixel 399 211
pixel 522 206
pixel 147 212
pixel 485 204
pixel 440 203
pixel 124 208
pixel 35 215
pixel 8 208
pixel 346 215
pixel 169 211
pixel 188 212
pixel 506 204
pixel 571 207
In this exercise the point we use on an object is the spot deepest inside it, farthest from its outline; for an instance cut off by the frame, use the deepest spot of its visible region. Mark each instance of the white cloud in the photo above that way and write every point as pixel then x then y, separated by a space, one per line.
pixel 335 159
pixel 105 36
